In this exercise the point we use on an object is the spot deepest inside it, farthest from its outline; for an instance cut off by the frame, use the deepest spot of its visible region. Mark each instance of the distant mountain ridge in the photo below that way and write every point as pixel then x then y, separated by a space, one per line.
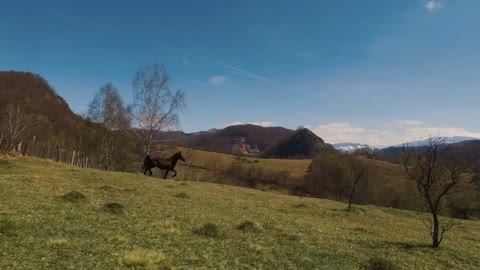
pixel 249 140
pixel 461 148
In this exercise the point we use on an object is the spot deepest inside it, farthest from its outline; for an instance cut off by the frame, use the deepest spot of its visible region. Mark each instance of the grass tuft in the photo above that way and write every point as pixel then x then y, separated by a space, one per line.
pixel 182 195
pixel 249 226
pixel 59 242
pixel 169 228
pixel 301 205
pixel 208 230
pixel 118 239
pixel 377 263
pixel 114 208
pixel 74 196
pixel 7 226
pixel 257 248
pixel 107 188
pixel 148 260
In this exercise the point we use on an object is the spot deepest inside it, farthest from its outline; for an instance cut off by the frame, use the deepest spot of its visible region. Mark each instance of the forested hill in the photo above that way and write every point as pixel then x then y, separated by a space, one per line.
pixel 49 116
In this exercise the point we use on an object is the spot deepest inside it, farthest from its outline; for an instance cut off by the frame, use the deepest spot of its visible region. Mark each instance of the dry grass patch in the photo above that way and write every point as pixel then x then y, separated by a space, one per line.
pixel 149 260
pixel 257 248
pixel 168 228
pixel 58 242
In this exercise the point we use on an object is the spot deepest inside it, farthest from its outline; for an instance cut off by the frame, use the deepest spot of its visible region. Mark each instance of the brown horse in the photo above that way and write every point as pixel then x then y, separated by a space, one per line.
pixel 162 163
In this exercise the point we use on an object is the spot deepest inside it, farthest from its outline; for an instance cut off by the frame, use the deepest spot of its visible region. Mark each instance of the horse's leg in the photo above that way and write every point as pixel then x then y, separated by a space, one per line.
pixel 174 172
pixel 165 176
pixel 145 171
pixel 150 170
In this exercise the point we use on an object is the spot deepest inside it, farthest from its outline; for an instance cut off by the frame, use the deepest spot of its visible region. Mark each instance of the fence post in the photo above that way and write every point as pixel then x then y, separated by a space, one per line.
pixel 73 158
pixel 24 152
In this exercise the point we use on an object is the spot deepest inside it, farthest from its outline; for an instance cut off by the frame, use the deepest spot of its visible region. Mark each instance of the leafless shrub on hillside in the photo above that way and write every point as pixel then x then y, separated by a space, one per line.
pixel 437 173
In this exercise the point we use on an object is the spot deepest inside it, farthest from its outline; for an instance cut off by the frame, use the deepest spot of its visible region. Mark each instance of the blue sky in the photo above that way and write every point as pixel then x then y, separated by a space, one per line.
pixel 370 71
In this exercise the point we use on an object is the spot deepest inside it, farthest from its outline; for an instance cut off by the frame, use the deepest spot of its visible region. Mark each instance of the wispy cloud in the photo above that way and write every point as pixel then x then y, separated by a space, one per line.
pixel 388 135
pixel 186 61
pixel 216 80
pixel 404 123
pixel 243 72
pixel 433 5
pixel 261 123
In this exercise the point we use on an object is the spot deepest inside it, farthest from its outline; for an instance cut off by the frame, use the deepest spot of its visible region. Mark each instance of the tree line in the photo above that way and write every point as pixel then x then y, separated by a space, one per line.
pixel 111 136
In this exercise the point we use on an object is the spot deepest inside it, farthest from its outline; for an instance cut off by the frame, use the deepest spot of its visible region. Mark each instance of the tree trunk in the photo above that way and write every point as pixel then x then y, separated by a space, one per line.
pixel 350 197
pixel 435 240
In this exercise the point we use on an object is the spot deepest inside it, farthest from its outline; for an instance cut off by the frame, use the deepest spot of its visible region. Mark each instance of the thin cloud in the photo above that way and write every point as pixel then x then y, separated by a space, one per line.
pixel 242 72
pixel 216 80
pixel 433 5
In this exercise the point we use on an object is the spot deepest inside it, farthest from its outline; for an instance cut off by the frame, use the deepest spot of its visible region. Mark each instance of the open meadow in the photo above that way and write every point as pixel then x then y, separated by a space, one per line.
pixel 54 216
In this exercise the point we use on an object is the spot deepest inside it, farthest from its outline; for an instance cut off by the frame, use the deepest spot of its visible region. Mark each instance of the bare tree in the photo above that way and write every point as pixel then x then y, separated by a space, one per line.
pixel 155 106
pixel 437 173
pixel 356 173
pixel 107 110
pixel 13 126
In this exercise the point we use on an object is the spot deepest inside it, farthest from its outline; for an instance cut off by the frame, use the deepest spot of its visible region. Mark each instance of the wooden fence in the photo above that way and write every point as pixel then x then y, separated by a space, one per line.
pixel 54 152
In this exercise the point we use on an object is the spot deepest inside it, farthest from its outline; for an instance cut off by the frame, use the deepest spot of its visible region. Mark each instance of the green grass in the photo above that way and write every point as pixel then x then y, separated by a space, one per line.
pixel 256 230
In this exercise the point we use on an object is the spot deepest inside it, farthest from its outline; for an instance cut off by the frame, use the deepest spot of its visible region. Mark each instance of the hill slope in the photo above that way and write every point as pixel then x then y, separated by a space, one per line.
pixel 40 230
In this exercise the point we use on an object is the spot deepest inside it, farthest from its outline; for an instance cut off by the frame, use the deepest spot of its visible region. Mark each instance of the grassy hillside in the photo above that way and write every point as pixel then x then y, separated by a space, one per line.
pixel 212 160
pixel 161 223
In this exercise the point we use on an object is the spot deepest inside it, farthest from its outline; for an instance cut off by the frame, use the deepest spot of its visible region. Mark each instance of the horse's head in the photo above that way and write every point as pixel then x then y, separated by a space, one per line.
pixel 179 156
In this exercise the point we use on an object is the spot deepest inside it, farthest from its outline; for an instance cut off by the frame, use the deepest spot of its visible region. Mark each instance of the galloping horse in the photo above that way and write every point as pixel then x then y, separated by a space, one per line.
pixel 161 163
